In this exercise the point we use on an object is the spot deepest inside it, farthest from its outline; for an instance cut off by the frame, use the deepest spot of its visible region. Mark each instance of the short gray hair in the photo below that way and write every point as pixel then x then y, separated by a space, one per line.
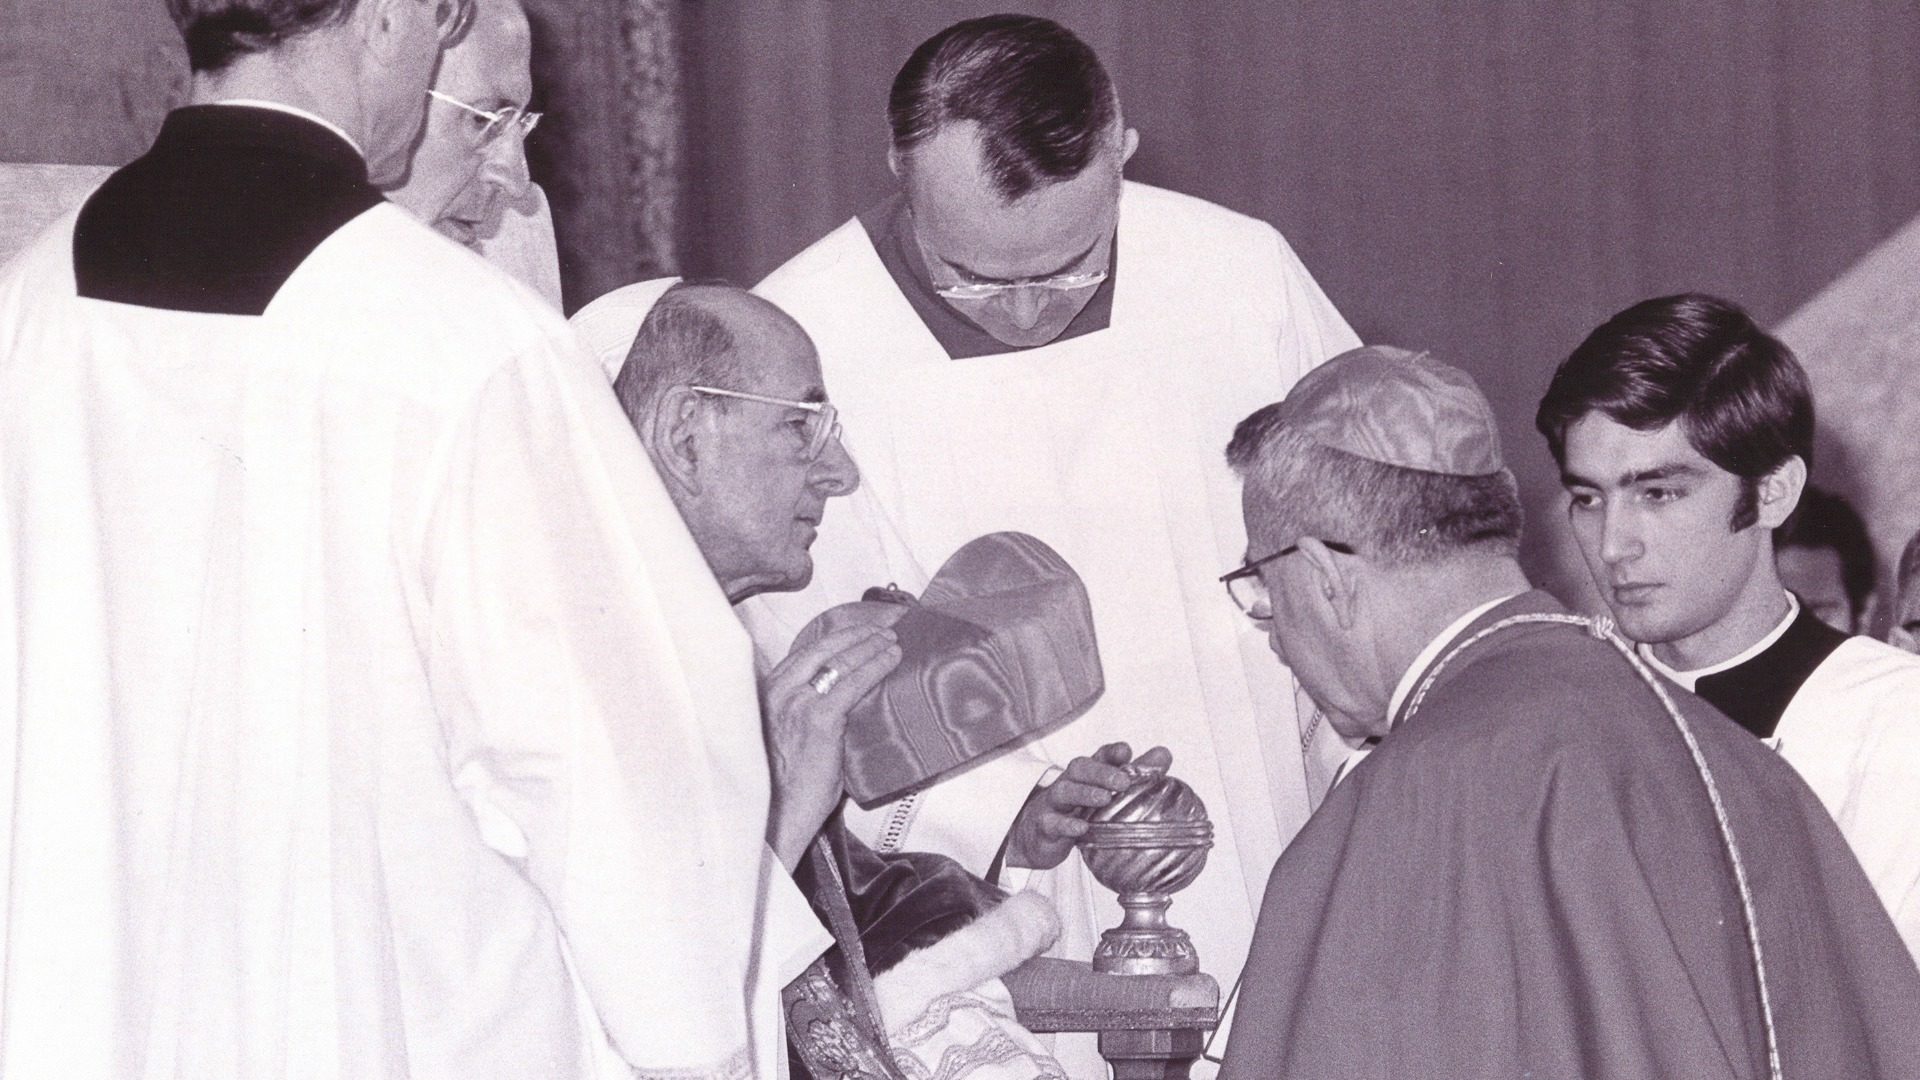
pixel 1391 514
pixel 681 342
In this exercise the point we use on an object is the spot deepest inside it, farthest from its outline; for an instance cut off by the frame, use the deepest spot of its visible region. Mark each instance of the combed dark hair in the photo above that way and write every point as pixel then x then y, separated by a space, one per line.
pixel 680 343
pixel 220 31
pixel 1391 514
pixel 1739 394
pixel 1825 520
pixel 1043 102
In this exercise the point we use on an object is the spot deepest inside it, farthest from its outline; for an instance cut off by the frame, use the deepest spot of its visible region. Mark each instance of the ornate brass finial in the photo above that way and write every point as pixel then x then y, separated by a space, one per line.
pixel 1150 842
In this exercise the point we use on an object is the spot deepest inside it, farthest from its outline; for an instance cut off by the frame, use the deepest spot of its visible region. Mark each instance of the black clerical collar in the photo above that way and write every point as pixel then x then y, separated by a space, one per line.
pixel 890 229
pixel 219 212
pixel 1757 691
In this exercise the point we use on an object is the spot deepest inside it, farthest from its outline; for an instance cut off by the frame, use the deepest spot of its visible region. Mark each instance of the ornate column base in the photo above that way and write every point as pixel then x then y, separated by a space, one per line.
pixel 1144 943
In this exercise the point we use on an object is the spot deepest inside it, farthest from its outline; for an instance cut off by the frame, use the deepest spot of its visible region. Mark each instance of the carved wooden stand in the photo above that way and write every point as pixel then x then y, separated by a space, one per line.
pixel 1151 1027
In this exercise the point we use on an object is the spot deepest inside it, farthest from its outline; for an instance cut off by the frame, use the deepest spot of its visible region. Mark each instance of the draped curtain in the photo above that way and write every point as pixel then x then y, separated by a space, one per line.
pixel 609 153
pixel 1489 180
pixel 89 83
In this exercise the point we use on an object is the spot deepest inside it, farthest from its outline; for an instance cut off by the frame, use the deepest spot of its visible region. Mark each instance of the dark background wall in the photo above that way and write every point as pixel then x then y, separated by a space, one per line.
pixel 1485 179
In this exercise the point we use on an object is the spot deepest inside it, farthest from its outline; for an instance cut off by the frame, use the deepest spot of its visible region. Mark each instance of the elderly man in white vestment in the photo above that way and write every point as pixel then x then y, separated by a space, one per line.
pixel 1022 339
pixel 370 712
pixel 1684 432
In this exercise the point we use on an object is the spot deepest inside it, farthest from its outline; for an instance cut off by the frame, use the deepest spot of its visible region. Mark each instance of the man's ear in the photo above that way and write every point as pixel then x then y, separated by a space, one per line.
pixel 673 437
pixel 1129 142
pixel 1780 491
pixel 1335 581
pixel 896 164
pixel 383 26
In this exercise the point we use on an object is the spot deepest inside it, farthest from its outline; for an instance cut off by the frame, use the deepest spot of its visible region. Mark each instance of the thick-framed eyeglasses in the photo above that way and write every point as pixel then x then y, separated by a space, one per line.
pixel 451 18
pixel 820 426
pixel 1247 589
pixel 986 290
pixel 499 122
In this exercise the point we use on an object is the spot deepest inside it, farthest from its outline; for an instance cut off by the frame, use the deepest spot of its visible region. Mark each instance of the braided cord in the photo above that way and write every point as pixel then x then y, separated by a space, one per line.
pixel 1602 628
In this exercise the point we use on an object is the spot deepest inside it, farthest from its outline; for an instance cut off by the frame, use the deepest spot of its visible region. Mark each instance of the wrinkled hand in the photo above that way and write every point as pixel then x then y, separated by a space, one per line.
pixel 805 729
pixel 1055 816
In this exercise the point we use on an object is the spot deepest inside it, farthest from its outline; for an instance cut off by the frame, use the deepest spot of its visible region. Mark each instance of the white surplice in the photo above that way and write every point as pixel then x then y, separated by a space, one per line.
pixel 1110 447
pixel 1852 732
pixel 368 711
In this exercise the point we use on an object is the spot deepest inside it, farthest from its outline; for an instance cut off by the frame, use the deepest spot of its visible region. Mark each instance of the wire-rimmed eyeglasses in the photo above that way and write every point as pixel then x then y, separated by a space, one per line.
pixel 820 426
pixel 984 290
pixel 497 122
pixel 1249 591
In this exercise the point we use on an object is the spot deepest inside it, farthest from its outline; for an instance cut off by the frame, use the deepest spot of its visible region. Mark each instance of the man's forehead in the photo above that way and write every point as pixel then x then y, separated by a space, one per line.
pixel 494 59
pixel 1601 450
pixel 776 352
pixel 962 218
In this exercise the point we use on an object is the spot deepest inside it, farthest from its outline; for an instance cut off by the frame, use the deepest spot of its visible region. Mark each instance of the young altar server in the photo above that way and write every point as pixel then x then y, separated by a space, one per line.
pixel 1683 433
pixel 1554 864
pixel 369 712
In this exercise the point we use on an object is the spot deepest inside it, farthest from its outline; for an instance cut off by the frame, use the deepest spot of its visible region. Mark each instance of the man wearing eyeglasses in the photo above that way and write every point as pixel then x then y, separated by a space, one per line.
pixel 369 710
pixel 1554 863
pixel 1023 339
pixel 471 164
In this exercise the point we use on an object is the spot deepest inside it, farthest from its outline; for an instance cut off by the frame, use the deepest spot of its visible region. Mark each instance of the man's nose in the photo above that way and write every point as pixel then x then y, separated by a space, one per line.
pixel 505 166
pixel 834 472
pixel 1025 306
pixel 1619 535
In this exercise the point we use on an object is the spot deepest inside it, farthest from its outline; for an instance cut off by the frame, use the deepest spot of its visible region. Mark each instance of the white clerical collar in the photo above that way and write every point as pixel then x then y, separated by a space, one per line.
pixel 278 106
pixel 1687 679
pixel 1432 652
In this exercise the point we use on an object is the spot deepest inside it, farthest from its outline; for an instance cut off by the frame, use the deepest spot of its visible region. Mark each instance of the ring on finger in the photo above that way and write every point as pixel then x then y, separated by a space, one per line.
pixel 823 680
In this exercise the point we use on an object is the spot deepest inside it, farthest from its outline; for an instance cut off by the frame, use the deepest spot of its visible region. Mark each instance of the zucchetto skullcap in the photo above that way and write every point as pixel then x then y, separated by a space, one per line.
pixel 1397 407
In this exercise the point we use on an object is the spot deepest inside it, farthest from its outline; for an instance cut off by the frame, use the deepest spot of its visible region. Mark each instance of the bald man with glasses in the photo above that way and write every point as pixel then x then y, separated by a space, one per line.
pixel 349 645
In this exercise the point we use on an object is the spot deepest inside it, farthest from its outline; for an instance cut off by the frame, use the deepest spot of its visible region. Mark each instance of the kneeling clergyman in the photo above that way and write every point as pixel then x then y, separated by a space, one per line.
pixel 1554 863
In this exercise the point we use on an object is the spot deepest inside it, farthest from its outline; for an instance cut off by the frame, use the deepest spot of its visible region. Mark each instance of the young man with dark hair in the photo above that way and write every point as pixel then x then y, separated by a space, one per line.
pixel 1024 339
pixel 1683 433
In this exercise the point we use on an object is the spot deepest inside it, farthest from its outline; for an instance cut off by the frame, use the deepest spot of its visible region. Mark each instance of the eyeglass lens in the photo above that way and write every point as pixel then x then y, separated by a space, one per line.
pixel 1250 593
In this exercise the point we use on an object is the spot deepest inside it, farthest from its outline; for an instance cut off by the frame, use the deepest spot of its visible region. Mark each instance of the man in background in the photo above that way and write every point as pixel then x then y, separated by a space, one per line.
pixel 1683 433
pixel 1903 630
pixel 1550 865
pixel 1022 339
pixel 371 712
pixel 1825 559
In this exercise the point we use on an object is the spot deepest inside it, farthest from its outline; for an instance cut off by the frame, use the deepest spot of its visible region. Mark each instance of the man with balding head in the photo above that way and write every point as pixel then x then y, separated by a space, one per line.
pixel 370 713
pixel 1552 864
pixel 725 393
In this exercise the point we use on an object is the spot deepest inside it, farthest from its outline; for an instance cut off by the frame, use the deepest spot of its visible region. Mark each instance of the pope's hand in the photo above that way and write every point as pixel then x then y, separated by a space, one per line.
pixel 1055 816
pixel 805 701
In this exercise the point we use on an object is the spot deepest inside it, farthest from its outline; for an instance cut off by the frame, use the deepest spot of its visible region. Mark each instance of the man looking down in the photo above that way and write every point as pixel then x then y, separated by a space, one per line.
pixel 1552 864
pixel 1023 339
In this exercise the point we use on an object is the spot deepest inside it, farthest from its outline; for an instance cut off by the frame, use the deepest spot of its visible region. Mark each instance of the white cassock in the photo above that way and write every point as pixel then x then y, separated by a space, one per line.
pixel 1110 447
pixel 1852 731
pixel 368 710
